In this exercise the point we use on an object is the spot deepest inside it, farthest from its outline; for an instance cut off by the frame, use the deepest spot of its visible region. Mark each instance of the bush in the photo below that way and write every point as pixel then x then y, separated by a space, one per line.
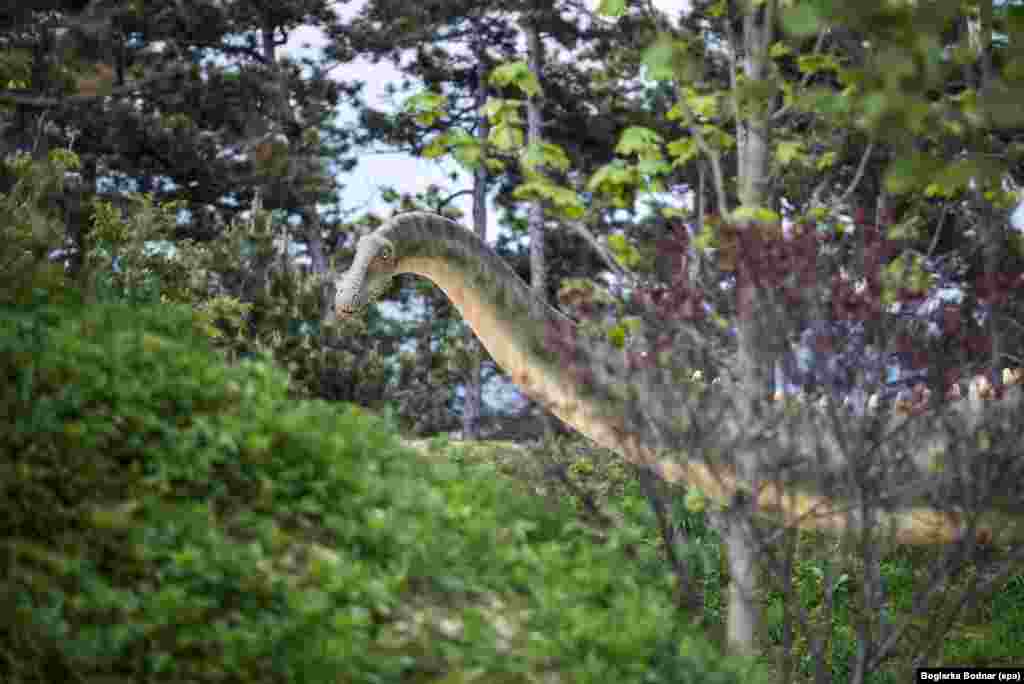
pixel 168 517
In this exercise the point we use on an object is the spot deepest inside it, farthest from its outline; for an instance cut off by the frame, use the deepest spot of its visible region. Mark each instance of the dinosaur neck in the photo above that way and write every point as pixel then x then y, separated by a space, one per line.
pixel 512 323
pixel 508 319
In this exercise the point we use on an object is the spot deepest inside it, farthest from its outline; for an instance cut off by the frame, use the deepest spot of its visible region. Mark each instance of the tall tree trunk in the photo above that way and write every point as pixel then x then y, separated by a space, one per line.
pixel 474 381
pixel 535 218
pixel 755 376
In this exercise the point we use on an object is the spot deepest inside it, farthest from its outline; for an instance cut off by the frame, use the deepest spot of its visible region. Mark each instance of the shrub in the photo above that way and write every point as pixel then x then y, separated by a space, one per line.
pixel 168 517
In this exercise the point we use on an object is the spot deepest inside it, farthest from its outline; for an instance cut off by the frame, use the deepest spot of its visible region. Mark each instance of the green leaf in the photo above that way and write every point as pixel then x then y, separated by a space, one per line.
pixel 612 174
pixel 707 238
pixel 425 106
pixel 617 336
pixel 503 111
pixel 506 137
pixel 779 49
pixel 909 173
pixel 701 105
pixel 517 74
pixel 566 200
pixel 816 63
pixel 683 150
pixel 626 253
pixel 532 157
pixel 717 138
pixel 802 20
pixel 694 500
pixel 906 230
pixel 653 167
pixel 788 150
pixel 637 139
pixel 492 107
pixel 663 57
pixel 678 111
pixel 826 160
pixel 612 8
pixel 555 156
pixel 438 147
pixel 756 214
pixel 574 212
pixel 546 154
pixel 468 154
pixel 953 179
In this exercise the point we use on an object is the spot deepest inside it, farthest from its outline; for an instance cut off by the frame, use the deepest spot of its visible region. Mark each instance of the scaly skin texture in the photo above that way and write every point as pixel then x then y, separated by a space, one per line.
pixel 511 324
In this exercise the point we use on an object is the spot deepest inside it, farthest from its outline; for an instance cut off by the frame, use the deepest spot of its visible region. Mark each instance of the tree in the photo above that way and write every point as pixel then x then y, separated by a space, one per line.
pixel 835 86
pixel 198 107
pixel 764 273
pixel 456 77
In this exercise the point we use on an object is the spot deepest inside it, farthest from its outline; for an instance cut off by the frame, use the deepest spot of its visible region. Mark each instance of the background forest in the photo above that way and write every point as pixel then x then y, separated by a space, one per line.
pixel 794 221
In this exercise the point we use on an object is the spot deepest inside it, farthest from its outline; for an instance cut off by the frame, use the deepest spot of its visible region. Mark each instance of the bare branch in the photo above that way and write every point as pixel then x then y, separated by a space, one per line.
pixel 713 156
pixel 938 232
pixel 591 239
pixel 859 174
pixel 448 200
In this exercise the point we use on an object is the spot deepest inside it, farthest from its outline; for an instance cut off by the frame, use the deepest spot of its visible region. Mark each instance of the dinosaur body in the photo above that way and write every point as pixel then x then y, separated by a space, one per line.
pixel 511 324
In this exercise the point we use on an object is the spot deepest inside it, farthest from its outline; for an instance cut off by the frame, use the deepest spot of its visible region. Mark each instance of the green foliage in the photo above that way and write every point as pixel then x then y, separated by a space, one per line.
pixel 668 58
pixel 801 19
pixel 15 68
pixel 905 271
pixel 638 140
pixel 617 180
pixel 247 303
pixel 518 74
pixel 683 150
pixel 506 136
pixel 426 107
pixel 564 200
pixel 628 255
pixel 789 151
pixel 168 517
pixel 544 153
pixel 612 8
pixel 30 225
pixel 133 256
pixel 466 149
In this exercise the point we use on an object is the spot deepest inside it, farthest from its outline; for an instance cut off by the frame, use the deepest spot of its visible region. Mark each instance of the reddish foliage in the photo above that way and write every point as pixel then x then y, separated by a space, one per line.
pixel 951 322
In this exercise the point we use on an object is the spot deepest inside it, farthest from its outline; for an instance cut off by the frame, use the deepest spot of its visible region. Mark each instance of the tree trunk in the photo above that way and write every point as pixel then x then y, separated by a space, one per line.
pixel 474 381
pixel 755 376
pixel 535 219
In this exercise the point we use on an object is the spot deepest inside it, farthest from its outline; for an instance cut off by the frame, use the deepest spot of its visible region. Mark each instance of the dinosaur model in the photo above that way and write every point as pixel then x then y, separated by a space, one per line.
pixel 511 323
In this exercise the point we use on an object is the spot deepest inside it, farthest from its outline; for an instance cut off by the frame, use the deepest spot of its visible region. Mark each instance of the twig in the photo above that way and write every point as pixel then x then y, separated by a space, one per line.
pixel 859 174
pixel 806 78
pixel 938 232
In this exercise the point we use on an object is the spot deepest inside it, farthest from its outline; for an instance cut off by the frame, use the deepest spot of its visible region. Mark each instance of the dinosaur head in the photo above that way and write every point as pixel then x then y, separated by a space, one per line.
pixel 369 276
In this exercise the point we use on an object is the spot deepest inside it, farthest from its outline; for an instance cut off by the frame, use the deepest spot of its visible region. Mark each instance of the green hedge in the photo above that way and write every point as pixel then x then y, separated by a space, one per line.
pixel 170 518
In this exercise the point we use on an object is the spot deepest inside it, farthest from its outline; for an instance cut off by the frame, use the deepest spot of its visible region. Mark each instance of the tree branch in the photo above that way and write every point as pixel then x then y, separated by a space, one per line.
pixel 779 113
pixel 37 101
pixel 859 174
